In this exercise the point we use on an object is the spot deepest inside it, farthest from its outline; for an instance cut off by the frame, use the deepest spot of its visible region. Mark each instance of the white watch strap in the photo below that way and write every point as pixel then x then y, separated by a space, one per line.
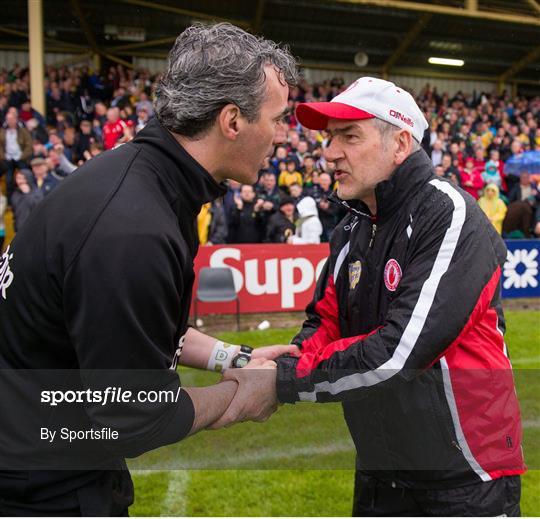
pixel 222 356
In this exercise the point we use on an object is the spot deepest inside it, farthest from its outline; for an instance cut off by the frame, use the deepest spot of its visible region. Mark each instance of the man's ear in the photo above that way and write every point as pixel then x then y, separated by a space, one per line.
pixel 404 146
pixel 229 121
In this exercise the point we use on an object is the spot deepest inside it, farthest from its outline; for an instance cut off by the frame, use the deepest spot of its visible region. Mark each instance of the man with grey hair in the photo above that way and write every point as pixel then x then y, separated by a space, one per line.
pixel 101 275
pixel 406 324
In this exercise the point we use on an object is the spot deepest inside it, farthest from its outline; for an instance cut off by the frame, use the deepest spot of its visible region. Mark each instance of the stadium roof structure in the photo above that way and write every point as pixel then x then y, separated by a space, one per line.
pixel 499 40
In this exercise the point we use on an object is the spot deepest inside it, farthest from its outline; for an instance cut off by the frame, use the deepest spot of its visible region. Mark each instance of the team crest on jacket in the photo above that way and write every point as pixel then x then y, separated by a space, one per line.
pixel 355 270
pixel 392 274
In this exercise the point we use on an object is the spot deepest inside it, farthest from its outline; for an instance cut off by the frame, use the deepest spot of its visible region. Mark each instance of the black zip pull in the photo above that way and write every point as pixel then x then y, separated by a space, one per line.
pixel 373 231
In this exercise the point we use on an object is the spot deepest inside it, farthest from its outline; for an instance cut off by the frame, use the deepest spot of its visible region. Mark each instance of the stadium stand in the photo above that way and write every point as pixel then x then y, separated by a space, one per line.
pixel 470 138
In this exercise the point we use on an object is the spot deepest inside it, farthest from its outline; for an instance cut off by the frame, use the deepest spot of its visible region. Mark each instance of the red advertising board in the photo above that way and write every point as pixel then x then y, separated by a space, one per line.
pixel 267 277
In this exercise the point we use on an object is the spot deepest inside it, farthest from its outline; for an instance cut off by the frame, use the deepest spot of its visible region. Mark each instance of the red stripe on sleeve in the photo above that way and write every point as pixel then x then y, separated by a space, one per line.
pixel 327 310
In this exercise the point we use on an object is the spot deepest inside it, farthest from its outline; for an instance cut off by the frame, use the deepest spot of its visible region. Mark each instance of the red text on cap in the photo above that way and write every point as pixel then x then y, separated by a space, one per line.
pixel 400 116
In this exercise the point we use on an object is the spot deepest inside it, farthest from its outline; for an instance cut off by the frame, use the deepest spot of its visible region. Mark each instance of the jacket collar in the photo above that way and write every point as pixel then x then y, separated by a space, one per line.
pixel 182 175
pixel 405 181
pixel 393 193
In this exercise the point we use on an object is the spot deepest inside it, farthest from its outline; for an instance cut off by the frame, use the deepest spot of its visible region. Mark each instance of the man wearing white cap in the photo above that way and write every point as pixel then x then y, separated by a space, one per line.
pixel 406 324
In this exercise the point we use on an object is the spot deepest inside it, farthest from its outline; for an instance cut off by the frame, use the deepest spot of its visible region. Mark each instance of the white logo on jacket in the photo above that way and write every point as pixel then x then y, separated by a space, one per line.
pixel 6 276
pixel 178 352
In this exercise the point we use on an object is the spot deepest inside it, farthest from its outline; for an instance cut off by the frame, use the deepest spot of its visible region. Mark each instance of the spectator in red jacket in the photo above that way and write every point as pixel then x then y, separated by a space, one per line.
pixel 471 178
pixel 115 131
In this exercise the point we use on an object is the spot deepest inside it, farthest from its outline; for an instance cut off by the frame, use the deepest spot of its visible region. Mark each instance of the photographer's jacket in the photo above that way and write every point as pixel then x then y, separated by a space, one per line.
pixel 100 278
pixel 406 329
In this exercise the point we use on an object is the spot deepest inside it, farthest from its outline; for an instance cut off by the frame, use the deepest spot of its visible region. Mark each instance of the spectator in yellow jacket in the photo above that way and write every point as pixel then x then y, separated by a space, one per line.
pixel 494 208
pixel 290 175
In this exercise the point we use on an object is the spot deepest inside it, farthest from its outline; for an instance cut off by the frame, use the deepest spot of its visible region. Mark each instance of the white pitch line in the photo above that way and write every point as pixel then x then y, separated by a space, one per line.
pixel 175 503
pixel 531 424
pixel 180 475
pixel 237 461
pixel 524 360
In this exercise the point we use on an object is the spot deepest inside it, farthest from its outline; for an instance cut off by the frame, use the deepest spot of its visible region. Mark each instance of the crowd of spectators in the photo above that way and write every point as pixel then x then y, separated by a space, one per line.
pixel 469 140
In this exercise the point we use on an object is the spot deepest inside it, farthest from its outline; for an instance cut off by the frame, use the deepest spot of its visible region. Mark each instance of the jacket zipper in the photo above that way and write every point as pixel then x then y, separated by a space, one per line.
pixel 373 232
pixel 456 445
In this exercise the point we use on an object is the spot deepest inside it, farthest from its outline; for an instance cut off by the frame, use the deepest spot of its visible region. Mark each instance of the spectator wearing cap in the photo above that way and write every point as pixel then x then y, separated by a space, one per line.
pixel 43 179
pixel 290 175
pixel 280 226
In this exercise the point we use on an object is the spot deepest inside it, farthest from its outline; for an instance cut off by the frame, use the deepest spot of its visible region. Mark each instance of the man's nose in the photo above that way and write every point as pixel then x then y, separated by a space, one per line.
pixel 280 133
pixel 332 152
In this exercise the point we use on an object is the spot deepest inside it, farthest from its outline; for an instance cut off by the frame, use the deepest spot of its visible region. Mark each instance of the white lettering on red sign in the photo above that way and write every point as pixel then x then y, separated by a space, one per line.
pixel 287 277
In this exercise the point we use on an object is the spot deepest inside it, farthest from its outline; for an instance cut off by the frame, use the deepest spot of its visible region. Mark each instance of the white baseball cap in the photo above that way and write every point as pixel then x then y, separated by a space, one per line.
pixel 366 98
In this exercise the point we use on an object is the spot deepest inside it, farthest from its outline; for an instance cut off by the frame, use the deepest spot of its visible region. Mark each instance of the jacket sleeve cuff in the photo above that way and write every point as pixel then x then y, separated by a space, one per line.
pixel 287 392
pixel 180 424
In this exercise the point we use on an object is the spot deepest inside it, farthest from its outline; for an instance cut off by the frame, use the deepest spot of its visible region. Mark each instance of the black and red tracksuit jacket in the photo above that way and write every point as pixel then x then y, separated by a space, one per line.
pixel 406 329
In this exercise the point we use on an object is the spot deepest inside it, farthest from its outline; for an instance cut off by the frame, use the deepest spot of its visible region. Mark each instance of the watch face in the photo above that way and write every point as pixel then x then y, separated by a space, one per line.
pixel 241 361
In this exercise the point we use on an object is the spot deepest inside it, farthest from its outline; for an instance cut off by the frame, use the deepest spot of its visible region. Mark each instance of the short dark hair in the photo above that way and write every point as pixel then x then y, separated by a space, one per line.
pixel 212 66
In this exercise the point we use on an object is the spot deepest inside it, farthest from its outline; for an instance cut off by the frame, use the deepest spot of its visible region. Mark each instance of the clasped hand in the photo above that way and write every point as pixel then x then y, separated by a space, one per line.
pixel 256 396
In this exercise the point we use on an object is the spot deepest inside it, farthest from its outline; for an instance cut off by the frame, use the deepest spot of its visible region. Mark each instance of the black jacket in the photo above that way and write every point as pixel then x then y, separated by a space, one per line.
pixel 217 233
pixel 23 204
pixel 245 225
pixel 406 329
pixel 279 228
pixel 102 275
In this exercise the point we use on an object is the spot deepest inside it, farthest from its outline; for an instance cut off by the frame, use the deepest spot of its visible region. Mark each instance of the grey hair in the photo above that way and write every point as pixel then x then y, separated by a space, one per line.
pixel 212 66
pixel 386 130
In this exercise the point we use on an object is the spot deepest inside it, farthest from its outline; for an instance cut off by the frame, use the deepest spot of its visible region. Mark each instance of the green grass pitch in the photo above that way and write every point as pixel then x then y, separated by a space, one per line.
pixel 300 462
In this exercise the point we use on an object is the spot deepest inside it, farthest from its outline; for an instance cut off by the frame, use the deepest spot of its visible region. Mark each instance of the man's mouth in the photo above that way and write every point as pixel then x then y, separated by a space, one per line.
pixel 340 174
